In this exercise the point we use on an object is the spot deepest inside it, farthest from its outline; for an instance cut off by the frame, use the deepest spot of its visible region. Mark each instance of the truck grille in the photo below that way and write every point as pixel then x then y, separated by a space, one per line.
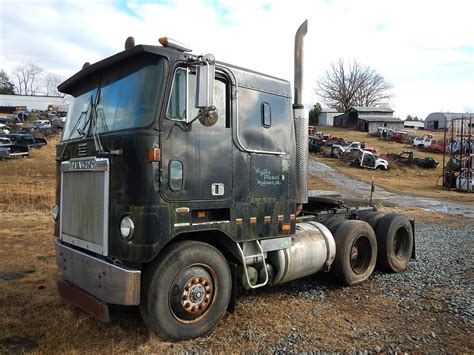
pixel 85 203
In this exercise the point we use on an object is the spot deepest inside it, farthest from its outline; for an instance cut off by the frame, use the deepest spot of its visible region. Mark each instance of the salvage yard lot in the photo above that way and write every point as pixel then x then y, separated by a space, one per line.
pixel 410 180
pixel 427 308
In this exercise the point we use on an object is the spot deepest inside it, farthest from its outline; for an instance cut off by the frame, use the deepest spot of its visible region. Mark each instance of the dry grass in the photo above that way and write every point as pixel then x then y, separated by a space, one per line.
pixel 30 306
pixel 409 180
pixel 28 184
pixel 315 183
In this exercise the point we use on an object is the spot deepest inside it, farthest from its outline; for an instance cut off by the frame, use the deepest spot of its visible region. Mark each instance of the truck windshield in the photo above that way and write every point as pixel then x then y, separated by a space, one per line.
pixel 123 97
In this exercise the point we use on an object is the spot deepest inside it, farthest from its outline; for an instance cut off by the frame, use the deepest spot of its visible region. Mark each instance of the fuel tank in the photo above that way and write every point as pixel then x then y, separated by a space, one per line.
pixel 313 249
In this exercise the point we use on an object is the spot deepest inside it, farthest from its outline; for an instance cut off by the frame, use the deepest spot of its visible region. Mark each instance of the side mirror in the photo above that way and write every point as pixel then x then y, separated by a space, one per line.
pixel 205 82
pixel 209 117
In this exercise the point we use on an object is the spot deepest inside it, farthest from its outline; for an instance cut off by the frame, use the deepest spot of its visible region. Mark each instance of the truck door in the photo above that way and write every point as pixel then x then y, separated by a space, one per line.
pixel 196 158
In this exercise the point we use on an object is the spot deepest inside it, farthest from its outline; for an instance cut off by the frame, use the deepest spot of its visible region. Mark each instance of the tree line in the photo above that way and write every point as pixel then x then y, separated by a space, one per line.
pixel 30 79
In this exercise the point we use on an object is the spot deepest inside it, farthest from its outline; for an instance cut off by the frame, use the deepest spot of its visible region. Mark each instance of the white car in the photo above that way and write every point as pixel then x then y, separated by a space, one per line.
pixel 423 142
pixel 371 161
pixel 42 124
pixel 4 129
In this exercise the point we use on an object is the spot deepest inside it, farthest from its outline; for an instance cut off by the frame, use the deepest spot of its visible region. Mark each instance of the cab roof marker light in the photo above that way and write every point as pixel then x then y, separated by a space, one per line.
pixel 171 43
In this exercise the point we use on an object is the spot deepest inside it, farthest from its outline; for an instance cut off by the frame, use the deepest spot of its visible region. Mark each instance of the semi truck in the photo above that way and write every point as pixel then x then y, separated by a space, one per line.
pixel 182 179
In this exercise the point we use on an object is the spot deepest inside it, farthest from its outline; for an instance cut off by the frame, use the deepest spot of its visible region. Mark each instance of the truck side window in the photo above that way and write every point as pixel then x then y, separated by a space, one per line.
pixel 266 112
pixel 177 103
pixel 182 97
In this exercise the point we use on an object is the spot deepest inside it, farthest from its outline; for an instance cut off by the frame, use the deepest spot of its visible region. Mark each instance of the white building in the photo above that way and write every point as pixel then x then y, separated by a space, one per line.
pixel 36 102
pixel 326 117
pixel 414 124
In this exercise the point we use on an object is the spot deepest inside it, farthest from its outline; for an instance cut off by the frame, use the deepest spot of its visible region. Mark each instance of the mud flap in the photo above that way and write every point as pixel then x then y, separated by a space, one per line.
pixel 413 254
pixel 233 294
pixel 73 295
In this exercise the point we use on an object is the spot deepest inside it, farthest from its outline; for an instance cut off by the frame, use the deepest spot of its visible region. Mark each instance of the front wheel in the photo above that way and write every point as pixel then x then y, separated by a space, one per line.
pixel 187 291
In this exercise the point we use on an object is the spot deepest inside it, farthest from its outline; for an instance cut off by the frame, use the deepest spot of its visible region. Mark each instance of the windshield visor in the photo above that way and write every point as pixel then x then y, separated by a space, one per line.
pixel 122 97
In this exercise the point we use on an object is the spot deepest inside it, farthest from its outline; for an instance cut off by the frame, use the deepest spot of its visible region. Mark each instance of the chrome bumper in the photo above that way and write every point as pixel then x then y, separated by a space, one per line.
pixel 107 282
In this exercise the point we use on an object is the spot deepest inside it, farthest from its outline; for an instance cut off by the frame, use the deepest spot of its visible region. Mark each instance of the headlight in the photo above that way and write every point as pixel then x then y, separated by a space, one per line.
pixel 55 212
pixel 127 227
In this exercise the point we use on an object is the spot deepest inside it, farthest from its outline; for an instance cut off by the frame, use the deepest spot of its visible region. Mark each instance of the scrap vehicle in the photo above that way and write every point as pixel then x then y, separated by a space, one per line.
pixel 423 142
pixel 180 178
pixel 4 129
pixel 42 123
pixel 436 147
pixel 10 150
pixel 314 144
pixel 348 146
pixel 26 139
pixel 407 158
pixel 362 145
pixel 365 159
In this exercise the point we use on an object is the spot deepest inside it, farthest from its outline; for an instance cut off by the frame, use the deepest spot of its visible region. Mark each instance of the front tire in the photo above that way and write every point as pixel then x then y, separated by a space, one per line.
pixel 356 252
pixel 186 292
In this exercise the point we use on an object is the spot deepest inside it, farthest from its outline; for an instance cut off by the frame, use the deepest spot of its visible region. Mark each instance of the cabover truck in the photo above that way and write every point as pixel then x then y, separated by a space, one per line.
pixel 181 179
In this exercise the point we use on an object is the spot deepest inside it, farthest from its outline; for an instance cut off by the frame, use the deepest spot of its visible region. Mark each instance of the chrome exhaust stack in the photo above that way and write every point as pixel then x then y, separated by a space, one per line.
pixel 300 116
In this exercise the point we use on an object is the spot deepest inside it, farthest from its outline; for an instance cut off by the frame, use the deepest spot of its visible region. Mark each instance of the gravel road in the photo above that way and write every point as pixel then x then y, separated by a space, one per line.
pixel 434 299
pixel 353 189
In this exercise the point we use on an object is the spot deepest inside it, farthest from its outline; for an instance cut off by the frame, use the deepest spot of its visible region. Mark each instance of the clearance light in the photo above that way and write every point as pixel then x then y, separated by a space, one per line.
pixel 285 228
pixel 171 43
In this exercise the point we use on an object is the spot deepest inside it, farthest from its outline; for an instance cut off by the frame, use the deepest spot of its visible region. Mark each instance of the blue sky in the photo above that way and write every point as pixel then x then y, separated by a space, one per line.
pixel 425 49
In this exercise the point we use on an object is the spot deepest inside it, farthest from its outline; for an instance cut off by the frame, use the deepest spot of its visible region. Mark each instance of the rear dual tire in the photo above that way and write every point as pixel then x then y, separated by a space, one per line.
pixel 356 252
pixel 394 241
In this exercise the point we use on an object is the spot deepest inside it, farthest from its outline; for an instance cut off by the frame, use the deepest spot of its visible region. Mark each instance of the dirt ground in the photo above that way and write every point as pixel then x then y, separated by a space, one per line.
pixel 33 318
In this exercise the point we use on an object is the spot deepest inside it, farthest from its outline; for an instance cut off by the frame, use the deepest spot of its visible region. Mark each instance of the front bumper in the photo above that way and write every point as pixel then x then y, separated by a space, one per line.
pixel 107 282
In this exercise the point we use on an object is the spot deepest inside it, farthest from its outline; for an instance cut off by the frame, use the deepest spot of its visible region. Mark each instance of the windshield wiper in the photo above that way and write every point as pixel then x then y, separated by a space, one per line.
pixel 75 128
pixel 99 148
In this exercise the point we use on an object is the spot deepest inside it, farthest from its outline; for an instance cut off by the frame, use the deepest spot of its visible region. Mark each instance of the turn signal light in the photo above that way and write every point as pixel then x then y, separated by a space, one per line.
pixel 154 154
pixel 286 227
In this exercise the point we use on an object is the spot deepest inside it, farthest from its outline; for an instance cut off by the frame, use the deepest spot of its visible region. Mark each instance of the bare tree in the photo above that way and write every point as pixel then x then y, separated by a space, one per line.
pixel 50 84
pixel 28 78
pixel 352 84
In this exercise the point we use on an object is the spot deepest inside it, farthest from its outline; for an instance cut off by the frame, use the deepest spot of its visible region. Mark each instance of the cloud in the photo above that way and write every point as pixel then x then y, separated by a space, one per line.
pixel 424 48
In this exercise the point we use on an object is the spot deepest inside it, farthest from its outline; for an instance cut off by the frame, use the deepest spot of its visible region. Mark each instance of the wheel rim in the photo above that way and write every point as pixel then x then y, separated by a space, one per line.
pixel 361 254
pixel 192 293
pixel 400 243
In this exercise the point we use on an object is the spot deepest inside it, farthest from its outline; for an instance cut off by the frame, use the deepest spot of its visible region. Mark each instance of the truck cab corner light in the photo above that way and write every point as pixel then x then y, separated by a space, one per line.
pixel 154 154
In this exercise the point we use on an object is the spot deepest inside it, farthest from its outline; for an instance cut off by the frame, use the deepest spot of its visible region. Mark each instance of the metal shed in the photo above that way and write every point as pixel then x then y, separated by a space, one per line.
pixel 326 117
pixel 439 120
pixel 368 119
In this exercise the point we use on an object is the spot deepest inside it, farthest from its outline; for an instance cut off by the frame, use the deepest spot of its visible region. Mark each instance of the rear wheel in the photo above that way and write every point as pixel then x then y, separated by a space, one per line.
pixel 356 252
pixel 395 242
pixel 186 292
pixel 373 219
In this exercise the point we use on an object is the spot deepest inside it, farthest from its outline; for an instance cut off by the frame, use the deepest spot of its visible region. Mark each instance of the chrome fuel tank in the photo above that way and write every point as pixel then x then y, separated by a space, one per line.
pixel 313 249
